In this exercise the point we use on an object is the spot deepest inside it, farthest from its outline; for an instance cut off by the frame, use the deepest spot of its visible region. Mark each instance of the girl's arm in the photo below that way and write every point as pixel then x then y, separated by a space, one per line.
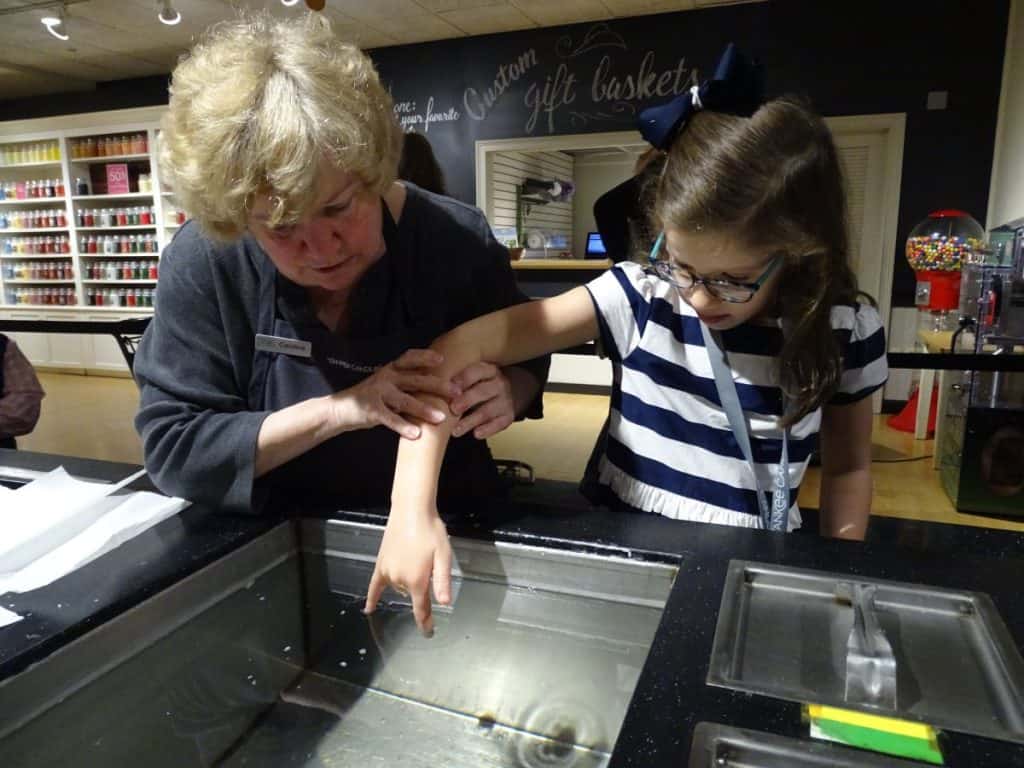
pixel 845 499
pixel 415 544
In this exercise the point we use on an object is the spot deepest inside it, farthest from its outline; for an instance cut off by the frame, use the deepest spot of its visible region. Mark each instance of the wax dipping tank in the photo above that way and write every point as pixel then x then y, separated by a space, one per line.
pixel 936 250
pixel 981 451
pixel 266 659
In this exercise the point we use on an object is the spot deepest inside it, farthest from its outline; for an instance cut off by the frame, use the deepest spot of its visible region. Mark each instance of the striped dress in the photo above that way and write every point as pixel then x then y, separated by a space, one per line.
pixel 668 447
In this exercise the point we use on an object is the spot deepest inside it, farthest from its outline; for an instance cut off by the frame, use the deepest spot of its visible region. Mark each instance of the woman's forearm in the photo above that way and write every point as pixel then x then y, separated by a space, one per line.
pixel 291 431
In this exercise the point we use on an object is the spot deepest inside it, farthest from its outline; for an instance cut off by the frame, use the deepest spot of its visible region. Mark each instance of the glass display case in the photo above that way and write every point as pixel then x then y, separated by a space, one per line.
pixel 981 452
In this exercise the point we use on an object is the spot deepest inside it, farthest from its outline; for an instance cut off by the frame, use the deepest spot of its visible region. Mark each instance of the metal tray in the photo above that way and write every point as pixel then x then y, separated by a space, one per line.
pixel 719 746
pixel 783 632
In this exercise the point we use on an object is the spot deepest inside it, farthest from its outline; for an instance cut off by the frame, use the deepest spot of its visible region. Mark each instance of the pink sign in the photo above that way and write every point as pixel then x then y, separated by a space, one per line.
pixel 117 179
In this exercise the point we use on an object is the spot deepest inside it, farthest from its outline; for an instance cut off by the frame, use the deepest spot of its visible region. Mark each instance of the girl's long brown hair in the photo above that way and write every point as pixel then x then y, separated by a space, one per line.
pixel 773 181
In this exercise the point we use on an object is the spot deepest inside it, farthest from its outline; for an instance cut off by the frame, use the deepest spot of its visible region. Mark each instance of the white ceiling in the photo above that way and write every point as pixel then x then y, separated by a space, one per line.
pixel 115 39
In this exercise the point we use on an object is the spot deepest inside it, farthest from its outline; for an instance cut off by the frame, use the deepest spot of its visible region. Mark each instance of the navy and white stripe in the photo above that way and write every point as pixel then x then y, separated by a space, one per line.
pixel 670 449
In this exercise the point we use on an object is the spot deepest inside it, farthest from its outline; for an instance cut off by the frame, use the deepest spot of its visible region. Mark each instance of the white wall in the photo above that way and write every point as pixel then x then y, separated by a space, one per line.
pixel 594 177
pixel 1006 194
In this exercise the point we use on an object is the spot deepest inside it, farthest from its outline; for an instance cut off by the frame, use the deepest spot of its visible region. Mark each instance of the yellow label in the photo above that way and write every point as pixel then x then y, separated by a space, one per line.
pixel 875 722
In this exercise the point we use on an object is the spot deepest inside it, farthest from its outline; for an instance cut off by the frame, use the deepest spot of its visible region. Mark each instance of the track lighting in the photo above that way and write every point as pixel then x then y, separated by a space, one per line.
pixel 167 13
pixel 56 23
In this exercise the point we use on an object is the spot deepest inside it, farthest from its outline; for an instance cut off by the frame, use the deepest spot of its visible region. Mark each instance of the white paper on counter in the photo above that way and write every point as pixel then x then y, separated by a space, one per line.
pixel 97 527
pixel 43 514
pixel 8 617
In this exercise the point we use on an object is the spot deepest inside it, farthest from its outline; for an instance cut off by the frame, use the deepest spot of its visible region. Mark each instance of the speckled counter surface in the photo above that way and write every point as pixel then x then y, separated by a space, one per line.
pixel 671 696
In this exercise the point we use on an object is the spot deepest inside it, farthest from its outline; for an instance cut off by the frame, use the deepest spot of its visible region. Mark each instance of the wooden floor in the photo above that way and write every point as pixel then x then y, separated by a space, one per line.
pixel 92 416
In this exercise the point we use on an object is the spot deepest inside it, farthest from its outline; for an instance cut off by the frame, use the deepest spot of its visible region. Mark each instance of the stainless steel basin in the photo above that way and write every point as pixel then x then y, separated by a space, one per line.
pixel 265 658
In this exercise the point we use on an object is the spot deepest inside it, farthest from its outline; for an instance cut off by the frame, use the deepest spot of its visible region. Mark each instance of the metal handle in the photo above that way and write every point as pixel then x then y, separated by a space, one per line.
pixel 870 661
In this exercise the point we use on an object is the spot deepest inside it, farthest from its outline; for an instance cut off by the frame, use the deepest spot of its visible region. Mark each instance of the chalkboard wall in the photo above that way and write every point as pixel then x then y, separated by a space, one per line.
pixel 847 58
pixel 872 56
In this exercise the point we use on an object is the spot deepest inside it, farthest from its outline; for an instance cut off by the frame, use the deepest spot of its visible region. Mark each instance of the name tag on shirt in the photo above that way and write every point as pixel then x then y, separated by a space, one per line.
pixel 283 346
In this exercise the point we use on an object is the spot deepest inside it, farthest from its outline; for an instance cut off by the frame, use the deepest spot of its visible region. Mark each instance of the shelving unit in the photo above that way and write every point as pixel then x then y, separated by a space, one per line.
pixel 110 158
pixel 122 298
pixel 36 231
pixel 37 265
pixel 126 281
pixel 126 196
pixel 45 164
pixel 65 161
pixel 43 256
pixel 132 228
pixel 32 201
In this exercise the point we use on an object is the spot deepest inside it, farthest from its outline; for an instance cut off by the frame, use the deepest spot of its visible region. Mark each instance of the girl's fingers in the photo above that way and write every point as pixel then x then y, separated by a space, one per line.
pixel 377 584
pixel 421 608
pixel 442 577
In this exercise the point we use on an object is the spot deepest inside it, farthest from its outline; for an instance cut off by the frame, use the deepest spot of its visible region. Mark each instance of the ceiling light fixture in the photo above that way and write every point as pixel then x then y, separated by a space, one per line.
pixel 56 23
pixel 167 13
pixel 289 3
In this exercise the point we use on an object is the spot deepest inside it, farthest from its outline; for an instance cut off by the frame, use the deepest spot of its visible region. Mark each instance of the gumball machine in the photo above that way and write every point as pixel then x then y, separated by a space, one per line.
pixel 936 250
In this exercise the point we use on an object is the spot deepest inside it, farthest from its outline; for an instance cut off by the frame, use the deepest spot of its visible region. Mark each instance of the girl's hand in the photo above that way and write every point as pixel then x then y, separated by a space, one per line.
pixel 392 390
pixel 414 548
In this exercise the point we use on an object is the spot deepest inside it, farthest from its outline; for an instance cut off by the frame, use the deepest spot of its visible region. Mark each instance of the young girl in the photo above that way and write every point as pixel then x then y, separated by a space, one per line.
pixel 738 342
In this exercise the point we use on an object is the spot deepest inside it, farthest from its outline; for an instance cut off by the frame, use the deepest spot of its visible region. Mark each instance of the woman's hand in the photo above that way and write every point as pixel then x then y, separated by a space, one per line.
pixel 413 554
pixel 381 399
pixel 490 398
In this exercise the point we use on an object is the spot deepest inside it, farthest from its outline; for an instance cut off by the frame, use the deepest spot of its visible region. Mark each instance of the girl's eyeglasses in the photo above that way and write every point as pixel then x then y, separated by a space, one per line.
pixel 685 280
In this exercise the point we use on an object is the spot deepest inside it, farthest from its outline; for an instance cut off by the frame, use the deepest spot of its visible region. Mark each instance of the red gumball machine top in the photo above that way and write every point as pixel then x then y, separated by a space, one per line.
pixel 936 250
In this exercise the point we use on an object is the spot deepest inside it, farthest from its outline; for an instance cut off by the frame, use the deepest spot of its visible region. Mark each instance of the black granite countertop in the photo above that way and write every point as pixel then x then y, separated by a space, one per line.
pixel 671 696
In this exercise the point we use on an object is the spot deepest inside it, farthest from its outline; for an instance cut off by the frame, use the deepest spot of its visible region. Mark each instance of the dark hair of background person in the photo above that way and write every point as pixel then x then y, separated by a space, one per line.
pixel 419 165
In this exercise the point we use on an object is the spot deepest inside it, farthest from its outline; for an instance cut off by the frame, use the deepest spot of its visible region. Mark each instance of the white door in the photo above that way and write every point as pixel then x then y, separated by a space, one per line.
pixel 865 165
pixel 871 153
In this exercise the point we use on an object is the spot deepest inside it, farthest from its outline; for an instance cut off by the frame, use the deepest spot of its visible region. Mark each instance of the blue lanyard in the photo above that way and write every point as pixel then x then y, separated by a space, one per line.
pixel 776 516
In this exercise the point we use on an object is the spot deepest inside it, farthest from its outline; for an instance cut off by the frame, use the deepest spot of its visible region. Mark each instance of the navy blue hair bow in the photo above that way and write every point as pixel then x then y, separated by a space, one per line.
pixel 736 89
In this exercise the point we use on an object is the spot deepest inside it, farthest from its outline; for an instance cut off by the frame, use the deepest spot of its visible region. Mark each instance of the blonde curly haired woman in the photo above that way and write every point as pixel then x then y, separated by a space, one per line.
pixel 288 347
